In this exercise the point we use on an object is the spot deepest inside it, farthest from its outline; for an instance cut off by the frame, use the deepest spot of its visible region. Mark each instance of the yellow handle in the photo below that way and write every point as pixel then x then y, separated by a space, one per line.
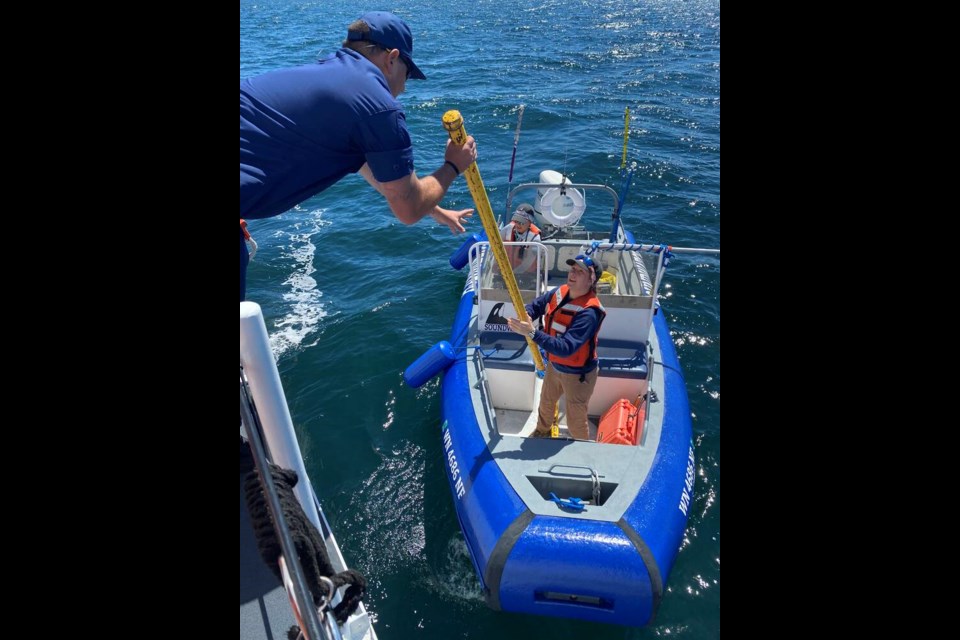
pixel 453 123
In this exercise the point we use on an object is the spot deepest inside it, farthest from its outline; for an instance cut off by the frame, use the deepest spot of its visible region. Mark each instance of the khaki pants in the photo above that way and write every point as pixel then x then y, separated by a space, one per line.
pixel 557 384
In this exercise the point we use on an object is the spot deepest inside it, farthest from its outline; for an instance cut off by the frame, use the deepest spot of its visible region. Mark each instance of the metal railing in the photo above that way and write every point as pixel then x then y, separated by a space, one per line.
pixel 308 619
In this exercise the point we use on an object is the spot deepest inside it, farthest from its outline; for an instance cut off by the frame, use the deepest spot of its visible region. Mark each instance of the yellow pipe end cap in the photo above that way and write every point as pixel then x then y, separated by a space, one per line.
pixel 452 120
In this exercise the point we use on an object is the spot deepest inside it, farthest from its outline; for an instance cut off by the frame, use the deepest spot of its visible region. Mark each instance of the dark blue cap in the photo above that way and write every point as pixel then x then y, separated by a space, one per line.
pixel 390 32
pixel 588 264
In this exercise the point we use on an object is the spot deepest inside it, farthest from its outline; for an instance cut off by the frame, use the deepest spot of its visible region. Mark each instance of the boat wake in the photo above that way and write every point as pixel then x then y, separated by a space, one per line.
pixel 455 579
pixel 302 297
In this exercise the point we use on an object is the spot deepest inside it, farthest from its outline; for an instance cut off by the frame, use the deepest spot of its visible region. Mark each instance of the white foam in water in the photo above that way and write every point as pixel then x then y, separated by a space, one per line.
pixel 303 296
pixel 456 578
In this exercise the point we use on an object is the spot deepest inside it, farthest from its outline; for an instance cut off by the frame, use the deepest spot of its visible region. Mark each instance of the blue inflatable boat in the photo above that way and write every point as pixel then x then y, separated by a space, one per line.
pixel 585 529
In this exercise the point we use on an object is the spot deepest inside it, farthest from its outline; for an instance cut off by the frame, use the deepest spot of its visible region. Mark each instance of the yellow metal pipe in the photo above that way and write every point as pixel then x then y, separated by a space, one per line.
pixel 555 425
pixel 453 123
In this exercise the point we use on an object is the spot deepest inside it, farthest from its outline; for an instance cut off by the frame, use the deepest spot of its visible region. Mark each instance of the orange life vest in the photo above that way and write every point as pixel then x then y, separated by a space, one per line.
pixel 558 318
pixel 516 253
pixel 534 231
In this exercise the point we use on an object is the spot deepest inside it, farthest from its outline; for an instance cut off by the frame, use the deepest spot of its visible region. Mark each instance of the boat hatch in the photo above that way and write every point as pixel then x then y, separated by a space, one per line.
pixel 572 488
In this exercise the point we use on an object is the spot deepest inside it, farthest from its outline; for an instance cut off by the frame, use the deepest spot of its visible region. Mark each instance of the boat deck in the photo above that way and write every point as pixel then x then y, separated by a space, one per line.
pixel 523 423
pixel 264 607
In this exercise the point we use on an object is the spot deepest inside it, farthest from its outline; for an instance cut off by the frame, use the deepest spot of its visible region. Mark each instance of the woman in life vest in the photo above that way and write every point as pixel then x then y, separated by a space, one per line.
pixel 521 229
pixel 572 316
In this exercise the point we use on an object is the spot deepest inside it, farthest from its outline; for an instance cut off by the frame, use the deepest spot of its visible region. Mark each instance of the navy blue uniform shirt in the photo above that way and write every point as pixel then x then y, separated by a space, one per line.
pixel 304 128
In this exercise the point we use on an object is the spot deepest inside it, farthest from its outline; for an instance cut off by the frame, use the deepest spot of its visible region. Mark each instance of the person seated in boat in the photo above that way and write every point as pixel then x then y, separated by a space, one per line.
pixel 572 315
pixel 521 229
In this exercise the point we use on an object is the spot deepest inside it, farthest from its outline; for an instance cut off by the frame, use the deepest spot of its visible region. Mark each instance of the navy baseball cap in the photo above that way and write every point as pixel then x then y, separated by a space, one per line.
pixel 588 264
pixel 390 32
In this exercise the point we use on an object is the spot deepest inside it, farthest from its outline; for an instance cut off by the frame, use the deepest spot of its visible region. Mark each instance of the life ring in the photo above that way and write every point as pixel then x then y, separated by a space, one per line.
pixel 562 210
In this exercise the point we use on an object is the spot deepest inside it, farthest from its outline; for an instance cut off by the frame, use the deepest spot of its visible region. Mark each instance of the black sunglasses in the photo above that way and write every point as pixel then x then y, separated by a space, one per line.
pixel 406 63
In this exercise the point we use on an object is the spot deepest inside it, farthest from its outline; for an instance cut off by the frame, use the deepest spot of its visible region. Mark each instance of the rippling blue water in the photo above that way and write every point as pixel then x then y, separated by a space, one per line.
pixel 351 296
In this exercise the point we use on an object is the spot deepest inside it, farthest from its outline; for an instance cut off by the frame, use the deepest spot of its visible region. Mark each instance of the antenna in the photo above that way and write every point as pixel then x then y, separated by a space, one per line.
pixel 564 178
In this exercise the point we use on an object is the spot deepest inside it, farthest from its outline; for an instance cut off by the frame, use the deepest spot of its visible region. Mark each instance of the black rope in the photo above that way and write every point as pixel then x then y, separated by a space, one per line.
pixel 308 543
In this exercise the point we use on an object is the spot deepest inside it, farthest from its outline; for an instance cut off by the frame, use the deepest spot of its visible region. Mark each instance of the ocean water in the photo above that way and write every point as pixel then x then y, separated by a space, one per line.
pixel 351 296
